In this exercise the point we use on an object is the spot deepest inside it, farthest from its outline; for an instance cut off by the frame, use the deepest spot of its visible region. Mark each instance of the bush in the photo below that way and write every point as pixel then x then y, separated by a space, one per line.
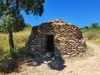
pixel 10 61
pixel 89 35
pixel 7 63
pixel 20 54
pixel 93 33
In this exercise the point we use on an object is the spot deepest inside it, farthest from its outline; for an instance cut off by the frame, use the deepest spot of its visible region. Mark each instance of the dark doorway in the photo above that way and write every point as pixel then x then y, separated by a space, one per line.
pixel 50 42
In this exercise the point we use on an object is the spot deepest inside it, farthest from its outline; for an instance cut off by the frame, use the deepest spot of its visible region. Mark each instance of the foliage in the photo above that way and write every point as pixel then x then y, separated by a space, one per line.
pixel 7 64
pixel 11 18
pixel 94 25
pixel 15 6
pixel 7 22
pixel 20 54
pixel 11 23
pixel 86 27
pixel 92 32
pixel 10 61
pixel 32 6
pixel 28 25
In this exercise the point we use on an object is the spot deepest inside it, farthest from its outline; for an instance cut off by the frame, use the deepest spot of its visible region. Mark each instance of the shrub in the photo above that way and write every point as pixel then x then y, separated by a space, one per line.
pixel 7 63
pixel 20 54
pixel 10 61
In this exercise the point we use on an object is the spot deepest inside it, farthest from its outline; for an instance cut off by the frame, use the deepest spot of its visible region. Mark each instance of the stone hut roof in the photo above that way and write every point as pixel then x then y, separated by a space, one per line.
pixel 57 35
pixel 59 24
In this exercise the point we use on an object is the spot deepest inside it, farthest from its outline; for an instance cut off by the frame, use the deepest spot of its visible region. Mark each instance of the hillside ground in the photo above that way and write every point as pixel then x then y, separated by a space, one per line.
pixel 87 64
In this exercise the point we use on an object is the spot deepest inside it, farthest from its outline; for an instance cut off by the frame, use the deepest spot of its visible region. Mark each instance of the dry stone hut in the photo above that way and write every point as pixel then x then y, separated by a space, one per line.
pixel 57 36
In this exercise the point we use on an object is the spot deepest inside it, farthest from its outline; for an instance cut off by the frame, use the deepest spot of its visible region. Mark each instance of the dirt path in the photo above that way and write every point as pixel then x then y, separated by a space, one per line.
pixel 74 66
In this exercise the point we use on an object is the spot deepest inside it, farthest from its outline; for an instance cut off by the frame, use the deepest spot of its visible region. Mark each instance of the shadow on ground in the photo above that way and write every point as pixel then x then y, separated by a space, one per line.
pixel 52 62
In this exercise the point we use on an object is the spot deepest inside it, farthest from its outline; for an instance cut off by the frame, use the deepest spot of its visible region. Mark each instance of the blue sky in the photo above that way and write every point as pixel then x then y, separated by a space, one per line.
pixel 79 12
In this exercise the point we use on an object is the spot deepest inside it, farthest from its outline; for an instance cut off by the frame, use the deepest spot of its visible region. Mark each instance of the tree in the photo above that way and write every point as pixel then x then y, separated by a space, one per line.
pixel 94 25
pixel 86 27
pixel 28 25
pixel 11 18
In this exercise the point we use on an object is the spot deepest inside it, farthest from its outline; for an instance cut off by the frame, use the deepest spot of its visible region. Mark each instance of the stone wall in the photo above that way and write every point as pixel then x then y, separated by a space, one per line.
pixel 67 38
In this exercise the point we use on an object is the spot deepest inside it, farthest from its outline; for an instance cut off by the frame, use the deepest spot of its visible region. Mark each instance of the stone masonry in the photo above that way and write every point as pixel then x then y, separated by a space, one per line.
pixel 66 38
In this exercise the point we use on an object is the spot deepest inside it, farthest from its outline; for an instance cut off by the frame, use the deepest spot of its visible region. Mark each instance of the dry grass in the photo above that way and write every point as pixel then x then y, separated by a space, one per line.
pixel 6 59
pixel 4 41
pixel 92 35
pixel 19 39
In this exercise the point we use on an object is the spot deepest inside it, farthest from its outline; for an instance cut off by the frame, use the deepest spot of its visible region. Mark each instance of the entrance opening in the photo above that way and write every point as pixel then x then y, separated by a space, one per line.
pixel 50 43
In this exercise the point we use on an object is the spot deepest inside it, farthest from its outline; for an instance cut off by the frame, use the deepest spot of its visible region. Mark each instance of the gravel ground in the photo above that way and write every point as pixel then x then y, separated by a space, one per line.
pixel 86 65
